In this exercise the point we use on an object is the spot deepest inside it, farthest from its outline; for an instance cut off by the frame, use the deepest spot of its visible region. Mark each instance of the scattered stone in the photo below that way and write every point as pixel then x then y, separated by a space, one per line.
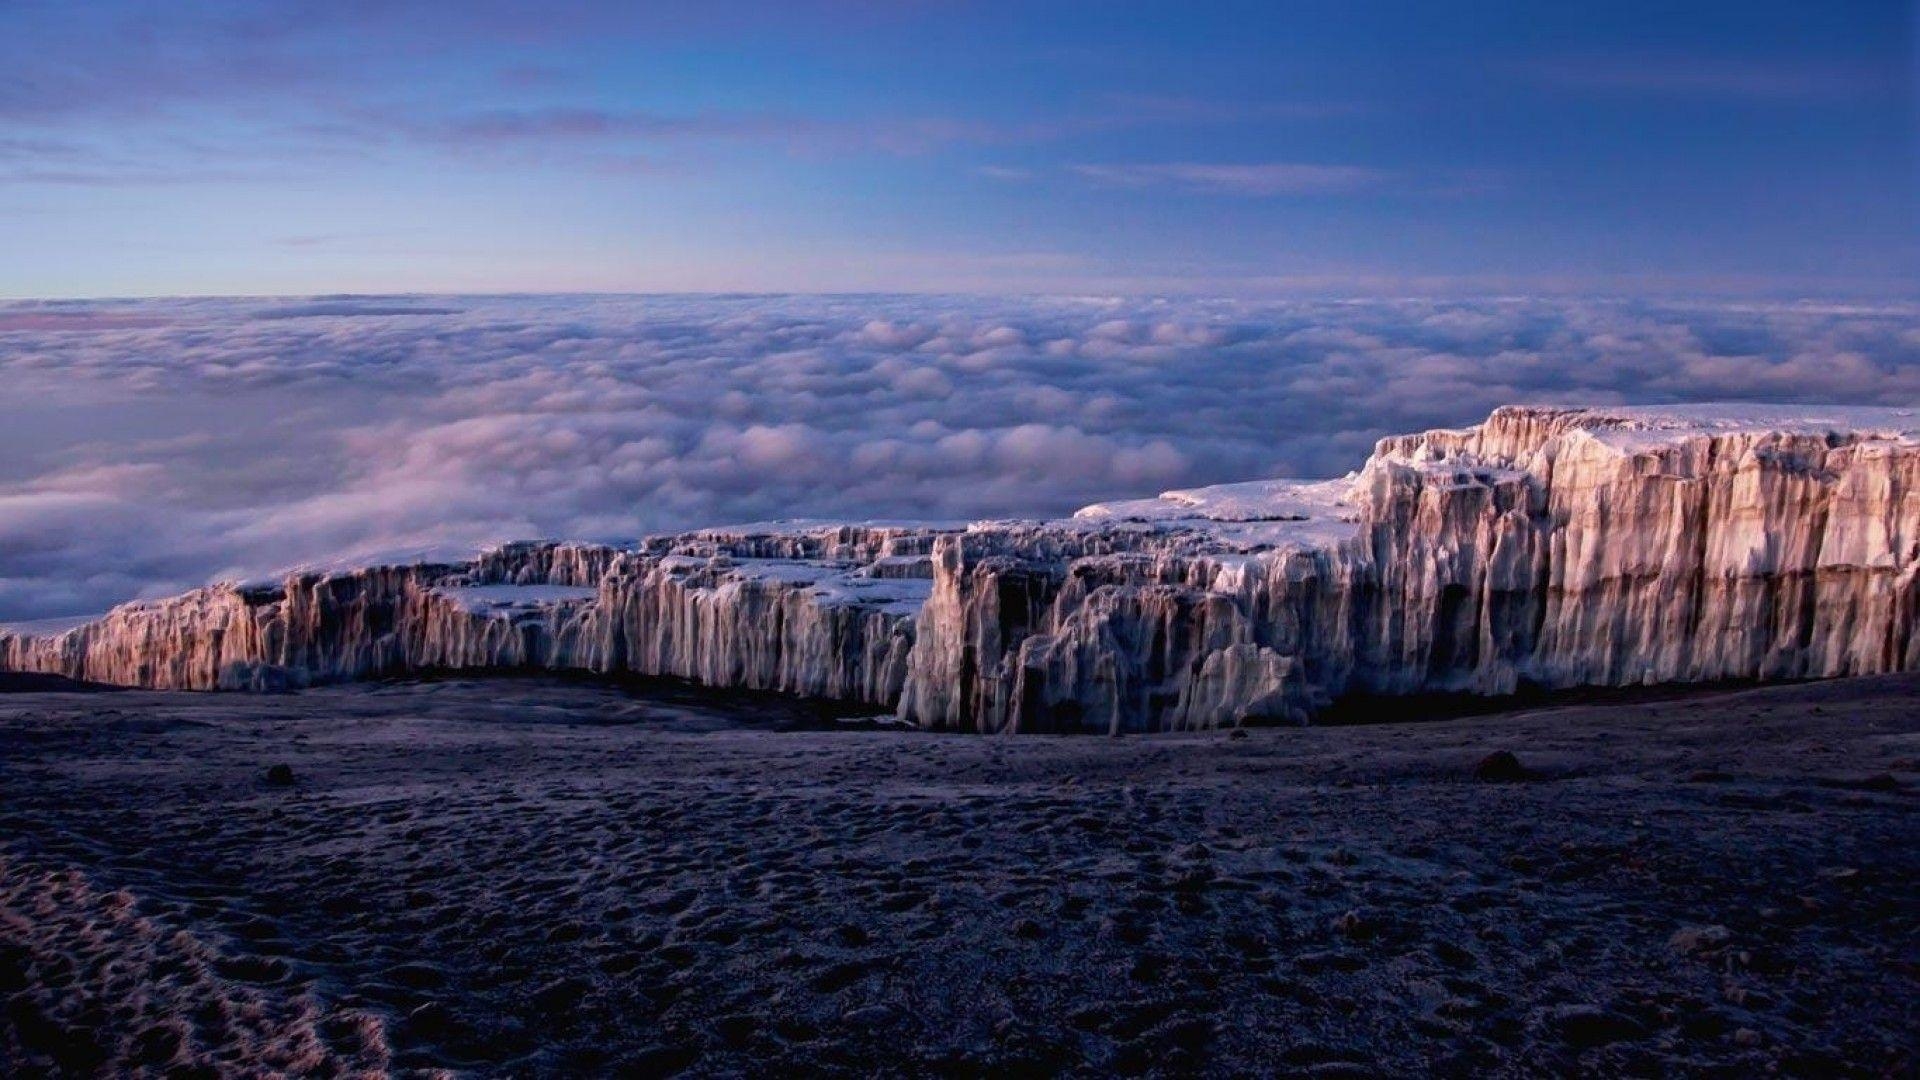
pixel 1499 767
pixel 796 1029
pixel 658 1060
pixel 737 1029
pixel 561 994
pixel 1091 1017
pixel 1356 924
pixel 1192 1034
pixel 1876 782
pixel 280 775
pixel 157 1046
pixel 1342 1070
pixel 869 1016
pixel 1695 939
pixel 1313 963
pixel 840 976
pixel 417 976
pixel 1453 955
pixel 1127 928
pixel 430 1020
pixel 1591 1025
pixel 1148 969
pixel 1193 879
pixel 1699 1022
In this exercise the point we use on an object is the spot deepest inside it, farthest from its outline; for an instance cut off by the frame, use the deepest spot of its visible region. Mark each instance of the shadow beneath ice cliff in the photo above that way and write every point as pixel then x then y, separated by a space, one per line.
pixel 33 682
pixel 763 709
pixel 1384 709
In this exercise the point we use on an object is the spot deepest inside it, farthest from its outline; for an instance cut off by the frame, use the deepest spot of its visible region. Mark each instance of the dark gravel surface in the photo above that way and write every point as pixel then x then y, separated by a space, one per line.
pixel 554 879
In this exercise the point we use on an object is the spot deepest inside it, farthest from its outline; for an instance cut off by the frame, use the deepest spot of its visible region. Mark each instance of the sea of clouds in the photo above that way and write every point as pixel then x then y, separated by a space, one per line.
pixel 150 446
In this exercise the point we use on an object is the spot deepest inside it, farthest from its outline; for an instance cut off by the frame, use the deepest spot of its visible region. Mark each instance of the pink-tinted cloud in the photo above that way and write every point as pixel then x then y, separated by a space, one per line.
pixel 76 320
pixel 186 439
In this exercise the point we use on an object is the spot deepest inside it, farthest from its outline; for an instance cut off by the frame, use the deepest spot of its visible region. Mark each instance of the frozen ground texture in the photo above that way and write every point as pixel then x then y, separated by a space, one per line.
pixel 1548 548
pixel 525 877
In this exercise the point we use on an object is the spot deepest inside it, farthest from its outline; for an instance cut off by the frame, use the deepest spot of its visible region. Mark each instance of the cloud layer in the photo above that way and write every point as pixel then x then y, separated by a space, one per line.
pixel 147 447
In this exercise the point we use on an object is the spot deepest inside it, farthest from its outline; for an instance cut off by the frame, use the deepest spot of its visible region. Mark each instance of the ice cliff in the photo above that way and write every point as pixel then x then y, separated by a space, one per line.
pixel 1551 548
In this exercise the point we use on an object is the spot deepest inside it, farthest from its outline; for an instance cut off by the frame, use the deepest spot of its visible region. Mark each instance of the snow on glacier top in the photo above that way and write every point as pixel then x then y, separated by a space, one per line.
pixel 54 627
pixel 1641 426
pixel 1275 513
pixel 1286 513
pixel 484 598
pixel 1252 500
pixel 835 584
pixel 830 583
pixel 799 526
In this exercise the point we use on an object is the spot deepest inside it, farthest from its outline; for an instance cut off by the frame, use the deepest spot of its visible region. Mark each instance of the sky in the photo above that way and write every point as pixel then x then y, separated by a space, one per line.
pixel 1246 149
pixel 287 283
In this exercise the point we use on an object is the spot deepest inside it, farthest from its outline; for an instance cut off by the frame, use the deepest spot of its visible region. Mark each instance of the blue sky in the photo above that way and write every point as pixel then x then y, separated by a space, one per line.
pixel 1231 148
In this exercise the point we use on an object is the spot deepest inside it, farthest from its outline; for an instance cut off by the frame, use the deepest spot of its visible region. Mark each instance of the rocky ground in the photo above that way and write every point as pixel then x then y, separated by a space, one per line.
pixel 559 879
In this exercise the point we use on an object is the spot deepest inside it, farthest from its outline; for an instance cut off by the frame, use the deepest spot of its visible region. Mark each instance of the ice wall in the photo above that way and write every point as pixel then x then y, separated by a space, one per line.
pixel 1544 547
pixel 1552 548
pixel 833 628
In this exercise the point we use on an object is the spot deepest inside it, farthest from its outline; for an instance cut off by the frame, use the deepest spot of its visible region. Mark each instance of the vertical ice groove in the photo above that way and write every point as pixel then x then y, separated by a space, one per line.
pixel 1546 547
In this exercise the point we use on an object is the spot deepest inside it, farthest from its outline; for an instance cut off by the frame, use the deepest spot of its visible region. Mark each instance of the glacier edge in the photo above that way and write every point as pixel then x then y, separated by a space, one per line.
pixel 1544 547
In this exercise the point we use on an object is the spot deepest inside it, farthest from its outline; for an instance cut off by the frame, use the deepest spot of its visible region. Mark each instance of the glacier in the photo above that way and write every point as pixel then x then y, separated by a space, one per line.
pixel 1548 548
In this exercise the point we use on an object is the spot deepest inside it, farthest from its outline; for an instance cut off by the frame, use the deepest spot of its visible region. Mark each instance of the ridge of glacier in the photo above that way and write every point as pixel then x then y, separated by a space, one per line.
pixel 1545 547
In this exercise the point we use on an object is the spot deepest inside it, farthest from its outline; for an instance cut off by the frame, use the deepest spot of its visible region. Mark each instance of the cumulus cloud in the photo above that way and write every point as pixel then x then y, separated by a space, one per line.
pixel 149 446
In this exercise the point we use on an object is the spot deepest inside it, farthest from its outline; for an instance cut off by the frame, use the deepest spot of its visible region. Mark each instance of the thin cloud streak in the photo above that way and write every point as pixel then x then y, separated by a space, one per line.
pixel 1713 78
pixel 1260 180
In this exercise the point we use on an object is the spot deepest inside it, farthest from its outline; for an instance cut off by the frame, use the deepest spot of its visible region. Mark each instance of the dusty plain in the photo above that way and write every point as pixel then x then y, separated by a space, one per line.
pixel 538 877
